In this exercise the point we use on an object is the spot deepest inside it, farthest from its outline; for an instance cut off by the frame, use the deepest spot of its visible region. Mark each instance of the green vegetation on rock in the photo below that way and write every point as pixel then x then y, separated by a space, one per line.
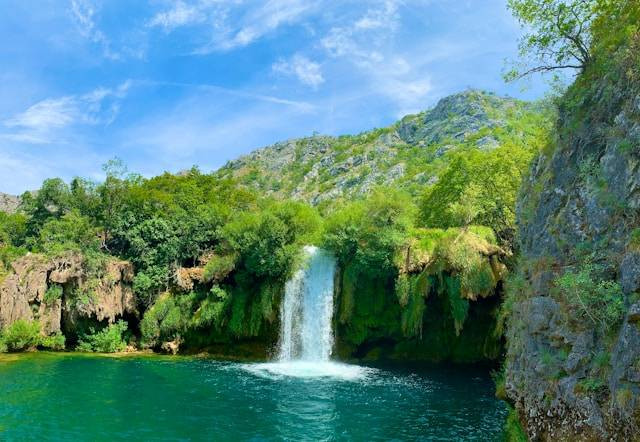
pixel 23 335
pixel 110 339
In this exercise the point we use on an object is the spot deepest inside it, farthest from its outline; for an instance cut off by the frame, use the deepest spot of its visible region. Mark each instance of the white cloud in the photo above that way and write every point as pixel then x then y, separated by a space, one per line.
pixel 368 42
pixel 263 20
pixel 359 39
pixel 42 122
pixel 232 23
pixel 180 14
pixel 83 12
pixel 46 114
pixel 308 72
pixel 384 16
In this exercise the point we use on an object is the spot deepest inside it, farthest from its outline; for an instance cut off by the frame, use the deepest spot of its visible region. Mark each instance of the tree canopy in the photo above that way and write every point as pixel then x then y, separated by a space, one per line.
pixel 558 34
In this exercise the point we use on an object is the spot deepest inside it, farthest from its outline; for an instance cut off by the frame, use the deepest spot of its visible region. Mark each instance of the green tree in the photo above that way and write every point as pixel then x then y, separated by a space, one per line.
pixel 477 188
pixel 369 232
pixel 559 34
pixel 52 201
pixel 72 231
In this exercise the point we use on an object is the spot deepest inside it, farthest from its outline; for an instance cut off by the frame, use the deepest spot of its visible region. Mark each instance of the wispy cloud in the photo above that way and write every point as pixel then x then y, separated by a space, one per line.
pixel 368 42
pixel 261 21
pixel 83 12
pixel 41 123
pixel 179 15
pixel 306 71
pixel 300 106
pixel 359 39
pixel 232 24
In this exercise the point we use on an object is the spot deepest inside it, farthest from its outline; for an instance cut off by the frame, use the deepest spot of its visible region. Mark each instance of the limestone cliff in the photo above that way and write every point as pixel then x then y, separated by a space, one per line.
pixel 59 292
pixel 573 363
pixel 8 203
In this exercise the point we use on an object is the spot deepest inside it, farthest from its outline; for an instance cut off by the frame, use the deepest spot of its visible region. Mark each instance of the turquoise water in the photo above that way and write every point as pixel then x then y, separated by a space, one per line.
pixel 72 397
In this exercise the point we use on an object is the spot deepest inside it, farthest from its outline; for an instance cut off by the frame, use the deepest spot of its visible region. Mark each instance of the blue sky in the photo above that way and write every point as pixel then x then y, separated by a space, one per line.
pixel 165 85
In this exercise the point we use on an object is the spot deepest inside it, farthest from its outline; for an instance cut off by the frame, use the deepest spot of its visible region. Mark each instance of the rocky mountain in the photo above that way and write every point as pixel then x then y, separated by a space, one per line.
pixel 409 153
pixel 573 362
pixel 8 203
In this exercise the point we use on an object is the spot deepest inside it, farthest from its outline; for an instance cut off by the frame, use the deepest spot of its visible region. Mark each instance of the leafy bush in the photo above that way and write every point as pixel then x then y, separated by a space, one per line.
pixel 513 430
pixel 53 293
pixel 370 232
pixel 25 335
pixel 111 339
pixel 53 342
pixel 21 335
pixel 591 297
pixel 218 267
pixel 72 231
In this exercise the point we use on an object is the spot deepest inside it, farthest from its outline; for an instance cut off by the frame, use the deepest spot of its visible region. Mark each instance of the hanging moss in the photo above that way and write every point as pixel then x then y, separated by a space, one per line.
pixel 459 306
pixel 237 321
pixel 478 279
pixel 403 289
pixel 347 298
pixel 212 310
pixel 412 290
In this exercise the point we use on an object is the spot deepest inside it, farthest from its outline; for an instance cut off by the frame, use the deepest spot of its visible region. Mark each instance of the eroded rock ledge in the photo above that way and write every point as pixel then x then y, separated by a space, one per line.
pixel 54 290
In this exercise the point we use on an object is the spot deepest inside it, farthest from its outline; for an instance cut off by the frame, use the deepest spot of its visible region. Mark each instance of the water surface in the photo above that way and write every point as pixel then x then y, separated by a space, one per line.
pixel 73 397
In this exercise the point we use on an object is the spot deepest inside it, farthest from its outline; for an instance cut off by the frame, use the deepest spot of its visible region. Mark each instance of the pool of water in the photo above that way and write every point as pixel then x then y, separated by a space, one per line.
pixel 73 397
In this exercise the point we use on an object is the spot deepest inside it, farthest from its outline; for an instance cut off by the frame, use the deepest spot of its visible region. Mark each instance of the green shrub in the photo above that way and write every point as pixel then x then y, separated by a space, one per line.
pixel 589 296
pixel 218 267
pixel 590 385
pixel 25 335
pixel 108 340
pixel 513 430
pixel 634 239
pixel 53 342
pixel 21 335
pixel 53 293
pixel 499 381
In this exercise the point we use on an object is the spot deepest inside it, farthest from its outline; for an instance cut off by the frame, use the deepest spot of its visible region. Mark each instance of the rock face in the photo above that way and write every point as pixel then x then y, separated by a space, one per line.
pixel 321 169
pixel 8 203
pixel 59 290
pixel 568 379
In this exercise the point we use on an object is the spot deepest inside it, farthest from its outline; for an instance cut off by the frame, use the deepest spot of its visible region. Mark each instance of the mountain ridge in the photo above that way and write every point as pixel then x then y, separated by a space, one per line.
pixel 410 152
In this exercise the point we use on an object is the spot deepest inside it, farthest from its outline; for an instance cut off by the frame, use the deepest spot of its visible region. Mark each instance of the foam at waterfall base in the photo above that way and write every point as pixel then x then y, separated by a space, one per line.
pixel 309 369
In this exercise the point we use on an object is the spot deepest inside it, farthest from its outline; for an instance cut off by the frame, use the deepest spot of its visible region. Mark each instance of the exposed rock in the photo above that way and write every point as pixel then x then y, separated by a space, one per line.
pixel 568 379
pixel 630 272
pixel 324 169
pixel 171 347
pixel 9 203
pixel 187 277
pixel 23 292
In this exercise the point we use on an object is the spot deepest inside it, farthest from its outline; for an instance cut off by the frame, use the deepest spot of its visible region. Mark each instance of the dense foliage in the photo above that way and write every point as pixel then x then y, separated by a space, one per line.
pixel 23 335
pixel 111 339
pixel 212 252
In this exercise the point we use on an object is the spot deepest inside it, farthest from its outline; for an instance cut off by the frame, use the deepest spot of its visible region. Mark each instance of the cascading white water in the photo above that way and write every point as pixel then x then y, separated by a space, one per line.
pixel 307 310
pixel 306 335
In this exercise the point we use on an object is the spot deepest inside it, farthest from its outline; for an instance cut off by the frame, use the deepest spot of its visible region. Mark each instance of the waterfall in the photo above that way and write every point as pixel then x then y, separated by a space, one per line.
pixel 306 332
pixel 307 309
